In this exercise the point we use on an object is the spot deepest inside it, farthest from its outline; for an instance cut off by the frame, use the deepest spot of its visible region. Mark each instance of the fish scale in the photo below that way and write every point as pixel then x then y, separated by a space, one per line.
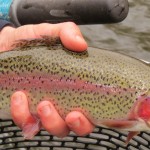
pixel 103 85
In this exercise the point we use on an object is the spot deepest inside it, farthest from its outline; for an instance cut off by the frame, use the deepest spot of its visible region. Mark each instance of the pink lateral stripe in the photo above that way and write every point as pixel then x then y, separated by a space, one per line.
pixel 55 82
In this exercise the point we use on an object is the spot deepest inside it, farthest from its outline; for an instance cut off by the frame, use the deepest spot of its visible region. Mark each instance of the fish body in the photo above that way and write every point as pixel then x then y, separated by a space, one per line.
pixel 110 89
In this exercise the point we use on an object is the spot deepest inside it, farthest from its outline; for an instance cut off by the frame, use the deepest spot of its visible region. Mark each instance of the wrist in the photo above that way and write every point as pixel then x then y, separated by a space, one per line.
pixel 4 23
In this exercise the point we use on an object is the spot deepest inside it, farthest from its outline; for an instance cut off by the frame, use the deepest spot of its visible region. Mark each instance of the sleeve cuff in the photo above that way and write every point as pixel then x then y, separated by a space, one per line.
pixel 4 23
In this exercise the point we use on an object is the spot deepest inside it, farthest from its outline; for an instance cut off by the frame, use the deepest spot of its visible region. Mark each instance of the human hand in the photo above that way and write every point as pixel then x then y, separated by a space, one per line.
pixel 72 39
pixel 69 34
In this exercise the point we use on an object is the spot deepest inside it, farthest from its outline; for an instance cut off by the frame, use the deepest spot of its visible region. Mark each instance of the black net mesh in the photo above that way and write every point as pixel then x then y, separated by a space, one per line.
pixel 100 139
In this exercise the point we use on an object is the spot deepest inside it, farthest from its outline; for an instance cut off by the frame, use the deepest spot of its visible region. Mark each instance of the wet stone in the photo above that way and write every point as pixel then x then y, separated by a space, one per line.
pixel 108 144
pixel 5 135
pixel 118 142
pixel 25 144
pixel 141 140
pixel 11 128
pixel 6 146
pixel 99 136
pixel 15 139
pixel 1 141
pixel 20 149
pixel 74 145
pixel 133 148
pixel 44 132
pixel 96 130
pixel 86 140
pixel 142 147
pixel 96 147
pixel 61 148
pixel 6 123
pixel 63 139
pixel 38 138
pixel 50 143
pixel 40 148
pixel 110 132
pixel 146 136
pixel 120 148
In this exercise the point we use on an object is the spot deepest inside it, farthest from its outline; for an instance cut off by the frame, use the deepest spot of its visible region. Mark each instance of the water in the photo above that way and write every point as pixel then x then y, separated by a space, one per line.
pixel 131 37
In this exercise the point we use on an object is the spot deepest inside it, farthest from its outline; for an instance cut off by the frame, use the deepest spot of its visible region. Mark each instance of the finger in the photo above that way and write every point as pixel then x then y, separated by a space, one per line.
pixel 78 123
pixel 20 109
pixel 6 38
pixel 72 38
pixel 51 121
pixel 68 32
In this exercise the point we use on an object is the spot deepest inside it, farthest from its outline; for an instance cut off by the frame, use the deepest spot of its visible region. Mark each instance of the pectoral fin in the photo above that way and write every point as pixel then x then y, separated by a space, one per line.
pixel 119 124
pixel 131 135
pixel 31 128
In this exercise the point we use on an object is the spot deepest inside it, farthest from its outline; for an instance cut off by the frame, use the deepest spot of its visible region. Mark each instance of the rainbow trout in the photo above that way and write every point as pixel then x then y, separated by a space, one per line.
pixel 112 90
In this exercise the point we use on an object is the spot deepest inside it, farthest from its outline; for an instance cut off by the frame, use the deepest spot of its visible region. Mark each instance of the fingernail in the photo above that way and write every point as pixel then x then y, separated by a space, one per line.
pixel 79 38
pixel 45 110
pixel 75 124
pixel 17 99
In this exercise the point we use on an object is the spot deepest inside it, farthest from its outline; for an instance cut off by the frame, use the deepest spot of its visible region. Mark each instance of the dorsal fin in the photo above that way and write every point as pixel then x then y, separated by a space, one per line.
pixel 45 40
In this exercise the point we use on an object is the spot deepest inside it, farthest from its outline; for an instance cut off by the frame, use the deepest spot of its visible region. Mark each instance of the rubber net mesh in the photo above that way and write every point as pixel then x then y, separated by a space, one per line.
pixel 100 139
